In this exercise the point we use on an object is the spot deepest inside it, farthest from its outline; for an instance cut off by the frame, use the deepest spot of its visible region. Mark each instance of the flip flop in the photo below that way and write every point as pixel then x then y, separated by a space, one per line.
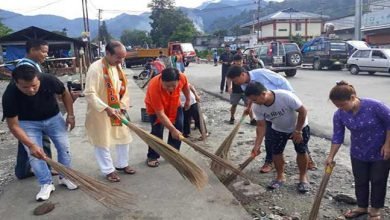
pixel 376 216
pixel 350 214
pixel 127 170
pixel 152 162
pixel 303 187
pixel 275 184
pixel 113 177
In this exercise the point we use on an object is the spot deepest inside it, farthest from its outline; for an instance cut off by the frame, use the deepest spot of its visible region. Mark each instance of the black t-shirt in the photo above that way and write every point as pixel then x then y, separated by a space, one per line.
pixel 226 57
pixel 41 106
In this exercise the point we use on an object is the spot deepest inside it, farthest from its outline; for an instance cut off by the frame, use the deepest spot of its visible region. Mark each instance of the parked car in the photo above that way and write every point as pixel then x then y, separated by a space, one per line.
pixel 279 57
pixel 369 60
pixel 325 52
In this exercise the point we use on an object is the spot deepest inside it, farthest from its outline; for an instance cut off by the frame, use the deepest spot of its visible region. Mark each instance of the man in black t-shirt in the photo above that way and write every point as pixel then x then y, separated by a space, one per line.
pixel 31 110
pixel 226 59
pixel 236 92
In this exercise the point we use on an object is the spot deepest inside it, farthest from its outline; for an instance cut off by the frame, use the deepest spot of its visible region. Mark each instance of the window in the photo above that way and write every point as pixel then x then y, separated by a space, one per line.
pixel 376 54
pixel 362 54
pixel 298 27
pixel 263 51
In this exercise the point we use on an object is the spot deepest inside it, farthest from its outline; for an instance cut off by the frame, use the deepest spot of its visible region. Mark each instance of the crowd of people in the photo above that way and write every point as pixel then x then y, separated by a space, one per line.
pixel 32 112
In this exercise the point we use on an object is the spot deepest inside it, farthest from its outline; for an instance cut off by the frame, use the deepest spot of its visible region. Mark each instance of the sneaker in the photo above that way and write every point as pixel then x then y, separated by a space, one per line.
pixel 253 122
pixel 66 182
pixel 45 191
pixel 311 165
pixel 266 168
pixel 231 121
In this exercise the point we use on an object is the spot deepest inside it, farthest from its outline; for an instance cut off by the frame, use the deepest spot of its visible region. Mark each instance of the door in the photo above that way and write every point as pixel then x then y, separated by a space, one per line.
pixel 362 59
pixel 379 61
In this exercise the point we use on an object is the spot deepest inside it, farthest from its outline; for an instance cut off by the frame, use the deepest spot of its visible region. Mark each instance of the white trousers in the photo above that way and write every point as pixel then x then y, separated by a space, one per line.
pixel 104 159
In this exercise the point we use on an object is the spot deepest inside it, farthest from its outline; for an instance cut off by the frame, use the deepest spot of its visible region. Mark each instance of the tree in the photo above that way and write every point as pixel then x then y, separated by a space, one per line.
pixel 220 33
pixel 168 23
pixel 4 30
pixel 135 38
pixel 105 35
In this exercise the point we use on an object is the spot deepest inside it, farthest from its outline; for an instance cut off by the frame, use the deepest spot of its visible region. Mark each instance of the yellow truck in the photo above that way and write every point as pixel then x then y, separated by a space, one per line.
pixel 140 56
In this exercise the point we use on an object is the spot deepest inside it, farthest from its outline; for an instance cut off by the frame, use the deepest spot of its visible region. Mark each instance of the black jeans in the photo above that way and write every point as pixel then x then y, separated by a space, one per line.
pixel 374 173
pixel 193 112
pixel 225 69
pixel 22 167
pixel 158 131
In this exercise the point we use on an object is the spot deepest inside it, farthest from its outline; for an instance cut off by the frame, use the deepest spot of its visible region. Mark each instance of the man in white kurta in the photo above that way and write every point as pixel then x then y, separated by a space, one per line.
pixel 100 131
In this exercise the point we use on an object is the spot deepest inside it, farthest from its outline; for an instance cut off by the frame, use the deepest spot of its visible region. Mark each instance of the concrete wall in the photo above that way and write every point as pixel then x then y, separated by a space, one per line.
pixel 283 29
pixel 267 30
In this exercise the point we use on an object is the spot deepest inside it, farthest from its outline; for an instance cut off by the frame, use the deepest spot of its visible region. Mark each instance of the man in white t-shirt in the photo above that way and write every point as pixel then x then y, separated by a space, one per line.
pixel 289 121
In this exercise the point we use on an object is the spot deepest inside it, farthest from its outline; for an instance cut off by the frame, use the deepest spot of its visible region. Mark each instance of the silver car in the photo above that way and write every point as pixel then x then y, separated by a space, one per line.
pixel 369 60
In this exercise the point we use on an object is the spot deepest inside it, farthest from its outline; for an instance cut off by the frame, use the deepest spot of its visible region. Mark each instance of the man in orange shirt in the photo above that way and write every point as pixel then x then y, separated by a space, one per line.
pixel 164 108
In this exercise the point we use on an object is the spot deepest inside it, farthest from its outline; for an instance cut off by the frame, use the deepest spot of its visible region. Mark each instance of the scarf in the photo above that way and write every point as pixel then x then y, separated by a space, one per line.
pixel 112 95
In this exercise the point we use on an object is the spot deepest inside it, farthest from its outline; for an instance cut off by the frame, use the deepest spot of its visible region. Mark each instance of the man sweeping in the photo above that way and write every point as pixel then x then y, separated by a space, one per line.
pixel 108 97
pixel 164 108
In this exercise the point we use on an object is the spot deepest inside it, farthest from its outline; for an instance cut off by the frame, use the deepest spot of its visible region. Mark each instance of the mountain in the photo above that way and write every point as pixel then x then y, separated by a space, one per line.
pixel 75 26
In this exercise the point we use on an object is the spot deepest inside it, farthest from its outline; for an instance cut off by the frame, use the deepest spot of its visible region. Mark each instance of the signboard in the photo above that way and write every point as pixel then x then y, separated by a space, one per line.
pixel 378 18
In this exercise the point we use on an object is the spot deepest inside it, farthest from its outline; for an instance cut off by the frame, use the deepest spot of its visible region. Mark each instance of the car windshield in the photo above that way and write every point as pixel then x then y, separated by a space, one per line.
pixel 291 47
pixel 187 47
pixel 338 47
pixel 387 52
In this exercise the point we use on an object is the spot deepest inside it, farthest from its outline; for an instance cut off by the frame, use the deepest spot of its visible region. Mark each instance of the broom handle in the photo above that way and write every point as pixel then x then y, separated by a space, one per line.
pixel 321 190
pixel 241 167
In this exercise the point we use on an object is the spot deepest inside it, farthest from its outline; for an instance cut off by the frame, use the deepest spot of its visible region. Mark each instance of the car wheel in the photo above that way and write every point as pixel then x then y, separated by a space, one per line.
pixel 317 65
pixel 354 69
pixel 294 59
pixel 371 72
pixel 290 73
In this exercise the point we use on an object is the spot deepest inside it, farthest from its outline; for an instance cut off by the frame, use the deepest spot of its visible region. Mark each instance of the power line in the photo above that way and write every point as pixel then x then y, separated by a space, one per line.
pixel 34 9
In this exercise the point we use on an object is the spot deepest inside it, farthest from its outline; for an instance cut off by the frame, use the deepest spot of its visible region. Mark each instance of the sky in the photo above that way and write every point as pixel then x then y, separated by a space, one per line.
pixel 73 8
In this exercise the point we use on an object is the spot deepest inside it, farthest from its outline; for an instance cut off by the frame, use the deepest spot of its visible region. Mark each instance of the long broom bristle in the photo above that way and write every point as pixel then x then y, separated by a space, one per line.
pixel 321 190
pixel 183 165
pixel 227 180
pixel 109 196
pixel 222 162
pixel 223 150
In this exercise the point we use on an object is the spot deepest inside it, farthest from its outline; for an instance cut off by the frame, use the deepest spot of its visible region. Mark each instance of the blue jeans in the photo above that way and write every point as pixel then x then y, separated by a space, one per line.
pixel 158 131
pixel 55 128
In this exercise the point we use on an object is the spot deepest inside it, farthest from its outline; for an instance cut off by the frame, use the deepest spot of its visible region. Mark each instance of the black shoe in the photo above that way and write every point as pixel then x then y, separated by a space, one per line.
pixel 221 91
pixel 253 122
pixel 231 121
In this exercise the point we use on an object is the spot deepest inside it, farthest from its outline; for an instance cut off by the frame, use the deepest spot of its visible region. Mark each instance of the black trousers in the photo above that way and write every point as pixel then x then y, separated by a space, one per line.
pixel 225 69
pixel 22 167
pixel 370 182
pixel 193 112
pixel 158 131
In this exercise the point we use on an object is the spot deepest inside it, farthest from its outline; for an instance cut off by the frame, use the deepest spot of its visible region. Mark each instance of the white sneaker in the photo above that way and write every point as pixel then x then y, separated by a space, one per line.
pixel 45 191
pixel 66 182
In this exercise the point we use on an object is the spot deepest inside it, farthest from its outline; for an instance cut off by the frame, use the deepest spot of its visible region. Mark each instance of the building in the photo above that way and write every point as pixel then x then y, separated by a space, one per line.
pixel 376 28
pixel 344 27
pixel 63 51
pixel 287 23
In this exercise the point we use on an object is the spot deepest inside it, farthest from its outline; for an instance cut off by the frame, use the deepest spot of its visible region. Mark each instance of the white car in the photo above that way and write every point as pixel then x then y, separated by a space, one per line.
pixel 369 60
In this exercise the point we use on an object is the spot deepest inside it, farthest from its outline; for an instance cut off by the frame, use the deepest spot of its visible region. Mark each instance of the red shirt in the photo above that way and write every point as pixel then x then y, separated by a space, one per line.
pixel 158 99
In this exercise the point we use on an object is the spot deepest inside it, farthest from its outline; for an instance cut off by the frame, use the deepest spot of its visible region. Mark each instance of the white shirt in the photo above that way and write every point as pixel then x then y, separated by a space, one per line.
pixel 282 112
pixel 183 98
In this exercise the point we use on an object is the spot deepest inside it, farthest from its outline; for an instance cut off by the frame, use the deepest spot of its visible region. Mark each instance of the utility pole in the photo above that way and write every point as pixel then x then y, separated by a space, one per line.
pixel 258 20
pixel 358 19
pixel 99 32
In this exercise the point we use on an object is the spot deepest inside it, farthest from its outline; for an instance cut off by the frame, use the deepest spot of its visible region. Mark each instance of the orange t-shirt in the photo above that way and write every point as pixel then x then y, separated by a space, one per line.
pixel 158 99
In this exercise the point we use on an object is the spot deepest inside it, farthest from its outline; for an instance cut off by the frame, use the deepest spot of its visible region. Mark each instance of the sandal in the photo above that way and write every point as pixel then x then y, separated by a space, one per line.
pixel 303 187
pixel 266 168
pixel 152 162
pixel 275 184
pixel 127 170
pixel 113 177
pixel 374 216
pixel 354 213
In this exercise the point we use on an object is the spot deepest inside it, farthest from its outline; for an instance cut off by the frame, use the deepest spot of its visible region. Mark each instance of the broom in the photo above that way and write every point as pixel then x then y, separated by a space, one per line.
pixel 109 196
pixel 321 190
pixel 222 162
pixel 183 165
pixel 223 150
pixel 241 167
pixel 202 123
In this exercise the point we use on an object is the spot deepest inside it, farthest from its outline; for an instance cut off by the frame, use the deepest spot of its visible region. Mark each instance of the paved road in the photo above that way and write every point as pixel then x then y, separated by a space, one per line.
pixel 311 86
